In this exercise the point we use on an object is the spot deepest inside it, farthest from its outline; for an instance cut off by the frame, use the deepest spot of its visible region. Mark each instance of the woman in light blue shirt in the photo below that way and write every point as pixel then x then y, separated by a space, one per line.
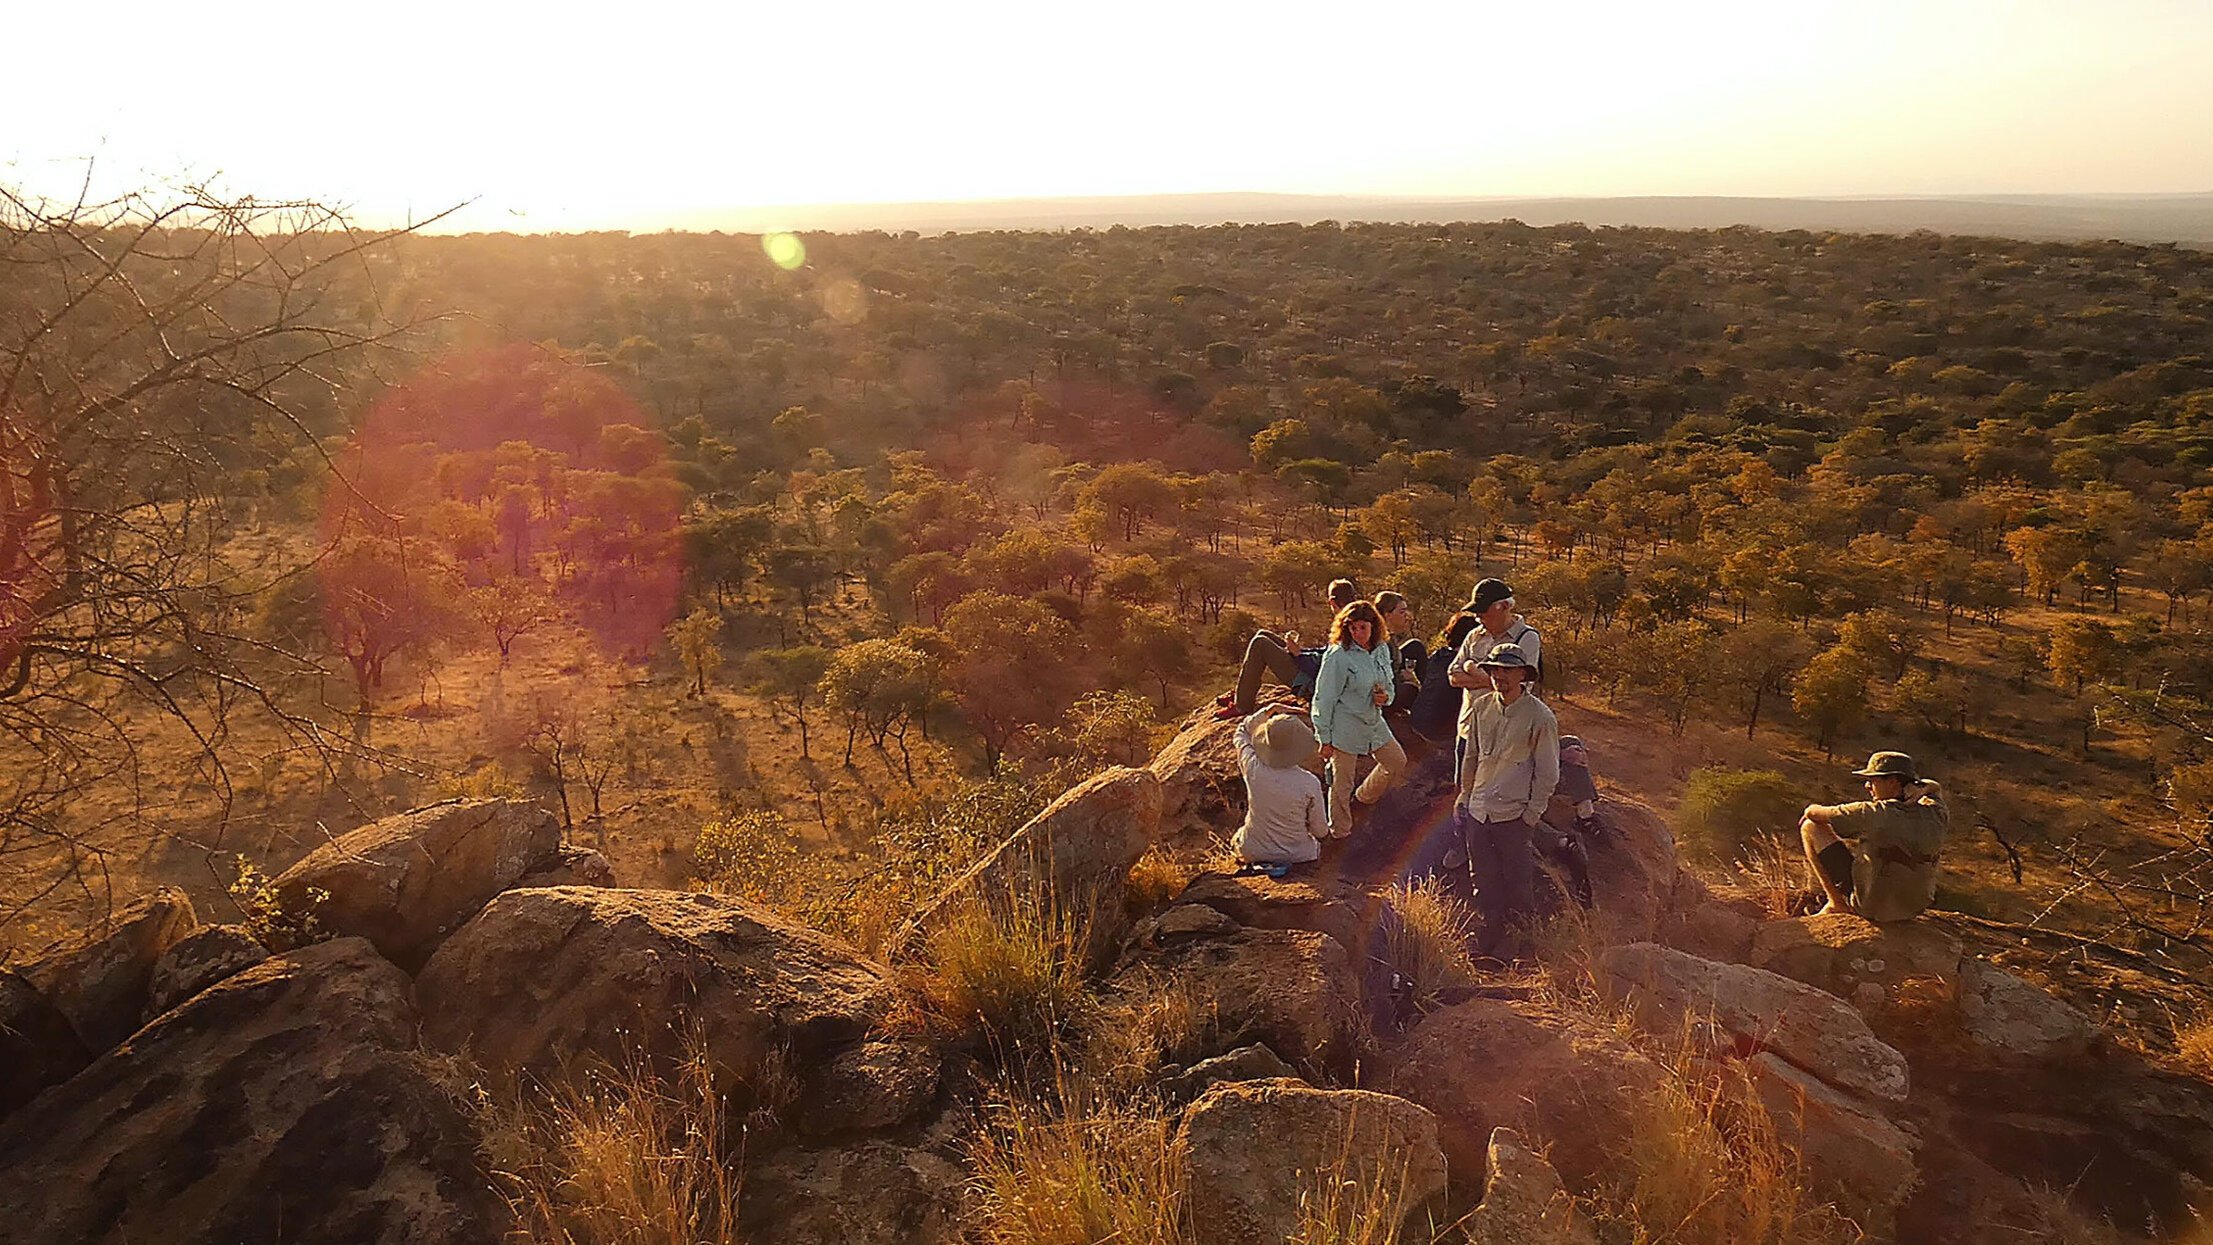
pixel 1356 681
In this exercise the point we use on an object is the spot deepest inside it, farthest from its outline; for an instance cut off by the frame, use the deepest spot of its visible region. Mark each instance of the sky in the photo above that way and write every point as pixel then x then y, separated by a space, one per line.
pixel 554 116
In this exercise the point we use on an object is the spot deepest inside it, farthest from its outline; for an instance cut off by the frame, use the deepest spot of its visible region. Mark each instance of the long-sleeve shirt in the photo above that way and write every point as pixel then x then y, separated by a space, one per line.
pixel 1285 815
pixel 1515 751
pixel 1346 716
pixel 1477 647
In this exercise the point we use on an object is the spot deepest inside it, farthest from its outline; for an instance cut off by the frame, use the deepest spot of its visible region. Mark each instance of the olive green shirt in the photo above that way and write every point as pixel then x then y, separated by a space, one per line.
pixel 1895 845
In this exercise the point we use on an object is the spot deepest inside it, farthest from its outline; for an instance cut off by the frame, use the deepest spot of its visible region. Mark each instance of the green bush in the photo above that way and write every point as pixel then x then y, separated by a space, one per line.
pixel 1725 811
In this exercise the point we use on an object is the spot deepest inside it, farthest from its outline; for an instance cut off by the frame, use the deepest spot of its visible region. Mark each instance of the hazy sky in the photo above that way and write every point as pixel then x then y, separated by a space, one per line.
pixel 558 116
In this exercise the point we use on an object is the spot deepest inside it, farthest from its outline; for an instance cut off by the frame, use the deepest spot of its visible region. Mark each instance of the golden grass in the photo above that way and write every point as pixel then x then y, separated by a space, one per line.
pixel 1084 1175
pixel 1149 1022
pixel 2194 1044
pixel 1002 967
pixel 1359 1199
pixel 1155 880
pixel 1429 940
pixel 620 1157
pixel 1774 870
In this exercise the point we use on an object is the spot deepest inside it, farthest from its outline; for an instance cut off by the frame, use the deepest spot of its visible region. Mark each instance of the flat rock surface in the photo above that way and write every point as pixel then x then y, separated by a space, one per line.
pixel 1255 1151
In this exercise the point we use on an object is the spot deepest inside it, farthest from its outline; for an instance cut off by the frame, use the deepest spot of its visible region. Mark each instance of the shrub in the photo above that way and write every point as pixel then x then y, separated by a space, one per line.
pixel 1724 812
pixel 275 925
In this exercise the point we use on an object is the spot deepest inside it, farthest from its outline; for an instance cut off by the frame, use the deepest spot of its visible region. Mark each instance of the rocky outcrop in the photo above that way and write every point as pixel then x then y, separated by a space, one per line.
pixel 871 1193
pixel 1076 855
pixel 1853 1155
pixel 406 882
pixel 1556 1079
pixel 1523 1201
pixel 1202 789
pixel 199 960
pixel 99 979
pixel 872 1087
pixel 1759 1010
pixel 1854 958
pixel 1258 901
pixel 574 866
pixel 1293 990
pixel 284 1104
pixel 2014 1021
pixel 1258 1154
pixel 1714 922
pixel 541 977
pixel 1637 881
pixel 38 1046
pixel 1246 1063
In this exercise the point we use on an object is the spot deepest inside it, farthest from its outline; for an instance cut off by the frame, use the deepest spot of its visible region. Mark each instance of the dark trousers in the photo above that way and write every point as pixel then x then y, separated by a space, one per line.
pixel 1265 655
pixel 1503 866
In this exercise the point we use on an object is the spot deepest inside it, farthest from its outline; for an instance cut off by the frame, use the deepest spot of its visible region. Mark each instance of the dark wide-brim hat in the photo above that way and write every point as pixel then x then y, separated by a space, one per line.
pixel 1888 765
pixel 1489 592
pixel 1507 656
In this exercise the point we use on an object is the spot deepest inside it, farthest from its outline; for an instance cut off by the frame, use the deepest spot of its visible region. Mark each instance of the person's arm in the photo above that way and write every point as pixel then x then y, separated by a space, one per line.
pixel 1532 645
pixel 1329 684
pixel 1546 741
pixel 1464 672
pixel 1317 817
pixel 1841 820
pixel 1247 755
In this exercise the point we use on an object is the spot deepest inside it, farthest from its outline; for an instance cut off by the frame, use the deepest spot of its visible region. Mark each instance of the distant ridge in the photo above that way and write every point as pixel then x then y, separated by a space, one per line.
pixel 2186 219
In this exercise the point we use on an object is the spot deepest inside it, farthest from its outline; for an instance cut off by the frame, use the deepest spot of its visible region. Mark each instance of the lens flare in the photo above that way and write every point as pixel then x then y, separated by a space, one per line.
pixel 843 301
pixel 785 250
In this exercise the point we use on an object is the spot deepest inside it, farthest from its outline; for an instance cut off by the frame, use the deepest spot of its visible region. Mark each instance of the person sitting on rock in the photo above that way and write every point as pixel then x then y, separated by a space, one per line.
pixel 1279 654
pixel 1877 858
pixel 1571 819
pixel 1513 765
pixel 1349 695
pixel 1285 818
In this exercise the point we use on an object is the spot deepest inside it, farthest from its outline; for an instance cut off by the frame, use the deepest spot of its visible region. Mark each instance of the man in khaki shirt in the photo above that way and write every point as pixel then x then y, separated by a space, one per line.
pixel 1513 765
pixel 1877 858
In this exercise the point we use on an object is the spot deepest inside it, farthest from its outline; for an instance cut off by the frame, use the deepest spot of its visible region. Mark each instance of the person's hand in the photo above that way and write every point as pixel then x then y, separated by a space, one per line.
pixel 1328 751
pixel 1381 697
pixel 1291 641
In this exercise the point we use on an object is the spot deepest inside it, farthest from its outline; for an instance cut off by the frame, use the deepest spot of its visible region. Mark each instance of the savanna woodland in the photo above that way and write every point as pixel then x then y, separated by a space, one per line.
pixel 804 568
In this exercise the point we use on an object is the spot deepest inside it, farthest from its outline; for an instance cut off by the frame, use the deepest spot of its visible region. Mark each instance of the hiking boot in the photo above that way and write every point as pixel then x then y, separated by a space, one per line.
pixel 1226 699
pixel 1228 713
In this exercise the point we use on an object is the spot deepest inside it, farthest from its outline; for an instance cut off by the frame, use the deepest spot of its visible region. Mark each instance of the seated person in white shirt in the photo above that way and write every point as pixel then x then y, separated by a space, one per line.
pixel 1286 814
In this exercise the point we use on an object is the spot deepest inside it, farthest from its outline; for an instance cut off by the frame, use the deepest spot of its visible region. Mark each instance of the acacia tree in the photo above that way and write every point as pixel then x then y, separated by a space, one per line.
pixel 154 350
pixel 790 680
pixel 698 640
pixel 1012 668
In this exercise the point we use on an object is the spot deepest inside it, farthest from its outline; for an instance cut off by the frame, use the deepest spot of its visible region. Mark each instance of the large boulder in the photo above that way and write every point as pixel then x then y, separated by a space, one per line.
pixel 1714 922
pixel 1076 855
pixel 38 1046
pixel 199 960
pixel 284 1104
pixel 872 1193
pixel 406 882
pixel 871 1087
pixel 1637 881
pixel 1246 1063
pixel 99 978
pixel 1558 1079
pixel 542 977
pixel 1759 1010
pixel 1854 1156
pixel 574 866
pixel 1261 902
pixel 2014 1021
pixel 1258 1154
pixel 1293 990
pixel 1854 958
pixel 1523 1201
pixel 1202 787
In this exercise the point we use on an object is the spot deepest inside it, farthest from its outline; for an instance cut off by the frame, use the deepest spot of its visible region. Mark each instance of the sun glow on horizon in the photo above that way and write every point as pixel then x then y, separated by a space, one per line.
pixel 666 113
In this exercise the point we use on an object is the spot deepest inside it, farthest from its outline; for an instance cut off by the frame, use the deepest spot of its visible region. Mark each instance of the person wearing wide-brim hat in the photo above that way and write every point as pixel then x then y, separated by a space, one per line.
pixel 1878 857
pixel 1285 813
pixel 1513 764
pixel 1492 603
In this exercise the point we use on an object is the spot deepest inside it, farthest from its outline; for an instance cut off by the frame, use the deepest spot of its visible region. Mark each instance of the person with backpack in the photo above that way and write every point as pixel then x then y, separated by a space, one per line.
pixel 1349 695
pixel 1269 652
pixel 1492 603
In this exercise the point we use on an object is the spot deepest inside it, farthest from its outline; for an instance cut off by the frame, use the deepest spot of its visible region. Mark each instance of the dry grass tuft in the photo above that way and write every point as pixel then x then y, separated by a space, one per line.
pixel 1155 880
pixel 2194 1044
pixel 2057 1222
pixel 1357 1200
pixel 1705 1165
pixel 1150 1021
pixel 1775 872
pixel 1003 968
pixel 1429 941
pixel 1079 1176
pixel 620 1157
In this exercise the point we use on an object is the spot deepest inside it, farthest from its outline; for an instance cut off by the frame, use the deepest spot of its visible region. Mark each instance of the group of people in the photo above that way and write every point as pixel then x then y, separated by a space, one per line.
pixel 1375 688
